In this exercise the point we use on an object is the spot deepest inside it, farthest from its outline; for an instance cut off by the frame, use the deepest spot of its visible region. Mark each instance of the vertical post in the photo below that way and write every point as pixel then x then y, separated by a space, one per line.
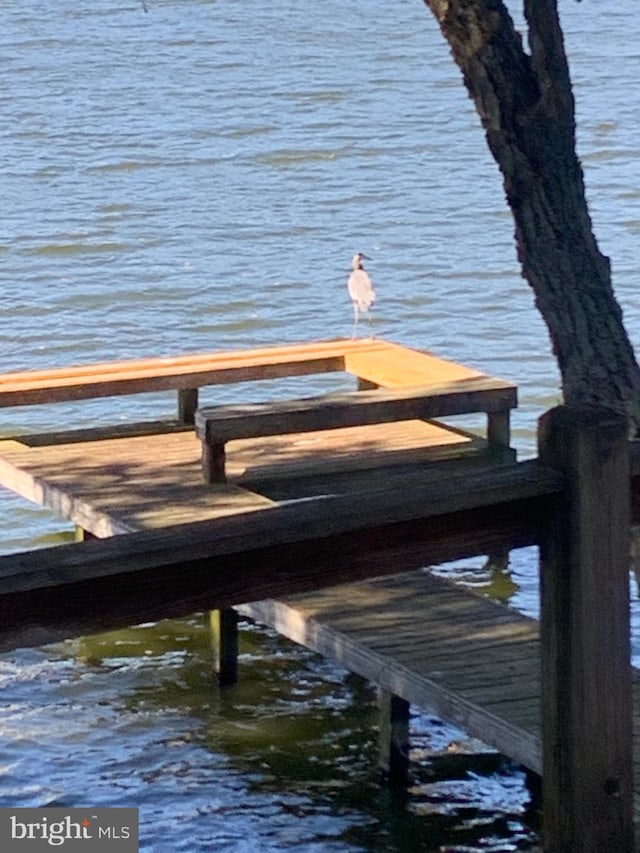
pixel 187 405
pixel 394 738
pixel 587 727
pixel 499 440
pixel 498 430
pixel 224 644
pixel 213 462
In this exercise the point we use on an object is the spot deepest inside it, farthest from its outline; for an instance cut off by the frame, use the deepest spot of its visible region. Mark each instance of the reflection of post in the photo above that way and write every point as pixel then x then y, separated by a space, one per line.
pixel 394 738
pixel 224 644
pixel 585 636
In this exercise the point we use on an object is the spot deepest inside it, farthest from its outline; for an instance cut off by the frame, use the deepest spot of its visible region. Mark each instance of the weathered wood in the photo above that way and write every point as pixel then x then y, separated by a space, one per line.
pixel 333 411
pixel 107 486
pixel 219 424
pixel 420 638
pixel 223 624
pixel 499 429
pixel 71 590
pixel 214 462
pixel 187 405
pixel 587 712
pixel 116 486
pixel 105 379
pixel 393 744
pixel 103 433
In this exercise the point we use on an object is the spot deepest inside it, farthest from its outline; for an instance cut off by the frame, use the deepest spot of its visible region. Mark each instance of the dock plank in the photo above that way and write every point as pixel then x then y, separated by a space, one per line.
pixel 449 651
pixel 398 366
pixel 117 485
pixel 365 640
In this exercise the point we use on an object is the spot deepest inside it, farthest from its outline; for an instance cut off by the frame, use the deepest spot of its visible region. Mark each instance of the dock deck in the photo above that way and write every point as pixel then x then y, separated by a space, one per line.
pixel 117 485
pixel 440 647
pixel 471 661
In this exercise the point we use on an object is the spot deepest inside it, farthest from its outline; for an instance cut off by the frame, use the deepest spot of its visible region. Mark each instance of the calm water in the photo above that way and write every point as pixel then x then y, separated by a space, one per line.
pixel 197 178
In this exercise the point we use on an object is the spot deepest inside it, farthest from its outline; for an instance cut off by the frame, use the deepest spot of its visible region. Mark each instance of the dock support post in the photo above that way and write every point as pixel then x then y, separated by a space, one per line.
pixel 187 405
pixel 214 462
pixel 498 430
pixel 585 644
pixel 394 738
pixel 224 644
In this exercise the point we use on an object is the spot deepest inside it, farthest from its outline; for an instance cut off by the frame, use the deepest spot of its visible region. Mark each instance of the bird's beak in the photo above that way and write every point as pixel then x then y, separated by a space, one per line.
pixel 366 257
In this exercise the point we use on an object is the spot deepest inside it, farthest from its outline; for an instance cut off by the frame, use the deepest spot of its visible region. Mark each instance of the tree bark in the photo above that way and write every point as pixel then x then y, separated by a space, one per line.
pixel 525 102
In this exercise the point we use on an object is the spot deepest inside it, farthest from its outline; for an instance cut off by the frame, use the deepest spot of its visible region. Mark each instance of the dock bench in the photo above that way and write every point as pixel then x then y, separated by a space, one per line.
pixel 217 425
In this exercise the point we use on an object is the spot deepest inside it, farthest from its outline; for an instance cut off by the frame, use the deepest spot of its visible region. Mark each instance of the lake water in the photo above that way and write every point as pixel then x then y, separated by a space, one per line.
pixel 197 177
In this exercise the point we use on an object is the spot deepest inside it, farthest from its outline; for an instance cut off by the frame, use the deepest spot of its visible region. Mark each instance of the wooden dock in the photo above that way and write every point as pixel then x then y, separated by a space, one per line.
pixel 301 514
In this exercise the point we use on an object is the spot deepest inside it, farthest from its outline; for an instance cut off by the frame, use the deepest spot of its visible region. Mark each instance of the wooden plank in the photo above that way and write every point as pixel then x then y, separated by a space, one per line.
pixel 122 479
pixel 77 589
pixel 397 366
pixel 373 361
pixel 311 460
pixel 105 379
pixel 117 486
pixel 313 621
pixel 478 394
pixel 102 433
pixel 587 714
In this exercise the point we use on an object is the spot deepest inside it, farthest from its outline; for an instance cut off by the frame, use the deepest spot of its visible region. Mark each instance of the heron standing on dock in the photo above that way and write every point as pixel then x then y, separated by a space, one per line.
pixel 360 290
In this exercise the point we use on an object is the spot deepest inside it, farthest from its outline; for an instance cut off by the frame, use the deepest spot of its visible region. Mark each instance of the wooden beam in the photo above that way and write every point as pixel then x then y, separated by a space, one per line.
pixel 216 425
pixel 105 379
pixel 585 637
pixel 332 411
pixel 71 590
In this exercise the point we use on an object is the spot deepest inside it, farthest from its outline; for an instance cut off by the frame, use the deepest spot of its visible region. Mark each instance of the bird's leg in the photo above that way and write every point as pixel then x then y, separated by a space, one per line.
pixel 370 323
pixel 356 315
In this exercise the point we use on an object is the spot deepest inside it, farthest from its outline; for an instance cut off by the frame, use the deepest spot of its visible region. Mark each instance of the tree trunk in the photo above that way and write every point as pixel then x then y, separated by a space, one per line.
pixel 526 105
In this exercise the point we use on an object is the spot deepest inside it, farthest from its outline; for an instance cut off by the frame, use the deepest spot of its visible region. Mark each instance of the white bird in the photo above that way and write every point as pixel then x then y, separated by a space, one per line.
pixel 360 290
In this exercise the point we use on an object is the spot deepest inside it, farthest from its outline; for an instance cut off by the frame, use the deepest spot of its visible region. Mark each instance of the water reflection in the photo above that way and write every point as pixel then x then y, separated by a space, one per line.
pixel 287 757
pixel 296 724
